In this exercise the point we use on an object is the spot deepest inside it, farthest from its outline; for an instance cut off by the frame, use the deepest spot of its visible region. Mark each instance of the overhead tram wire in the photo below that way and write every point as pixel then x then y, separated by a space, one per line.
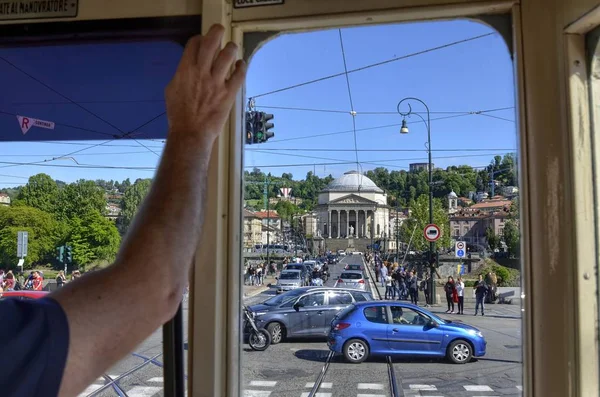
pixel 378 127
pixel 377 150
pixel 374 65
pixel 372 112
pixel 77 104
pixel 352 112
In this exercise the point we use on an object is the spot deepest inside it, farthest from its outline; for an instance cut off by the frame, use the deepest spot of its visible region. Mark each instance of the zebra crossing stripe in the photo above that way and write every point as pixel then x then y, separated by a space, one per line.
pixel 143 391
pixel 158 379
pixel 90 389
pixel 478 388
pixel 263 383
pixel 370 386
pixel 324 385
pixel 370 395
pixel 256 393
pixel 423 387
pixel 306 394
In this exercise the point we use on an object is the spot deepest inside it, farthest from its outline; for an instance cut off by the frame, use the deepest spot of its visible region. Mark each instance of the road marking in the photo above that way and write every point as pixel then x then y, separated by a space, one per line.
pixel 370 395
pixel 306 394
pixel 324 385
pixel 478 388
pixel 263 383
pixel 157 380
pixel 520 388
pixel 90 389
pixel 423 387
pixel 256 393
pixel 371 386
pixel 144 391
pixel 113 376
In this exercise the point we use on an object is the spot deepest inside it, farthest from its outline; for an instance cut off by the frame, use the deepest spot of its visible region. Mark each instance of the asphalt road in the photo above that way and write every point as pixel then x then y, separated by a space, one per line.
pixel 291 368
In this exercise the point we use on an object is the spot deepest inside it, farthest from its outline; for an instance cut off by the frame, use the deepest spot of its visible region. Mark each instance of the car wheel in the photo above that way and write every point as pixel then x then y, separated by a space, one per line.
pixel 356 351
pixel 276 331
pixel 459 352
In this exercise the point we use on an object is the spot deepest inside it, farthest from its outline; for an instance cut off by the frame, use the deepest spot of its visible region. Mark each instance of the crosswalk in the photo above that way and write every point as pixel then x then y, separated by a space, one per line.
pixel 151 387
pixel 263 388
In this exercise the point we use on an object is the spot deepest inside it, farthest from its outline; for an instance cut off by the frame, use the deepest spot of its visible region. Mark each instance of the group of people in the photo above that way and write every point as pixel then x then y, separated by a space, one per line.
pixel 401 282
pixel 455 293
pixel 34 281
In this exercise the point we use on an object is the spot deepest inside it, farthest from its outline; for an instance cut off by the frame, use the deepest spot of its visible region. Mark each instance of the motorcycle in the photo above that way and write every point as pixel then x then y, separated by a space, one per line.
pixel 259 339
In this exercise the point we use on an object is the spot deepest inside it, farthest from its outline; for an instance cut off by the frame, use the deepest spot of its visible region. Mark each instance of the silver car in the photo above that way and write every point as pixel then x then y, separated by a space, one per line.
pixel 351 279
pixel 289 280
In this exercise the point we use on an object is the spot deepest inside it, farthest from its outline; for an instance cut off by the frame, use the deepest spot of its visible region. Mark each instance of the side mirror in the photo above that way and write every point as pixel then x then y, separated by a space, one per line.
pixel 432 324
pixel 298 305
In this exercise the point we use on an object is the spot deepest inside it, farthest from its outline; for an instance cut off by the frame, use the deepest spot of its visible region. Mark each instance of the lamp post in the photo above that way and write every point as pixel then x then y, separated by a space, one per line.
pixel 404 130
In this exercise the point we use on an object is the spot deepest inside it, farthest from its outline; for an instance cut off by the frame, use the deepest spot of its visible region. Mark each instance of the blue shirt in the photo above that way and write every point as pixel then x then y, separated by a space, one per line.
pixel 34 341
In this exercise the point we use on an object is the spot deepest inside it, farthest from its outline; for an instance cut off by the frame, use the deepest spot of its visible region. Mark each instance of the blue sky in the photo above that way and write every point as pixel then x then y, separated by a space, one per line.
pixel 123 84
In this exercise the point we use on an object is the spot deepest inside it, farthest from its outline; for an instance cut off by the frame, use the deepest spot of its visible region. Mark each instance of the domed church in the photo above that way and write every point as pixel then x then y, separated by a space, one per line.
pixel 352 207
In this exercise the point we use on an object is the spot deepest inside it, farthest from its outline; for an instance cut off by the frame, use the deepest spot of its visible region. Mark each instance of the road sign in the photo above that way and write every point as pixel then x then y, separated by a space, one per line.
pixel 432 232
pixel 22 238
pixel 460 249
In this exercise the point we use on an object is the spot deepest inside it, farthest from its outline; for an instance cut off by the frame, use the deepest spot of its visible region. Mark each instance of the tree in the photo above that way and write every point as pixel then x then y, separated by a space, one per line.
pixel 41 192
pixel 93 238
pixel 79 198
pixel 512 237
pixel 44 234
pixel 492 240
pixel 132 199
pixel 419 217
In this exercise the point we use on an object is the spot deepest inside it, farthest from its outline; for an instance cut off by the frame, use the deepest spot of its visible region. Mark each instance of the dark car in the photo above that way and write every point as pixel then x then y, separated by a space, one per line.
pixel 303 269
pixel 304 312
pixel 397 328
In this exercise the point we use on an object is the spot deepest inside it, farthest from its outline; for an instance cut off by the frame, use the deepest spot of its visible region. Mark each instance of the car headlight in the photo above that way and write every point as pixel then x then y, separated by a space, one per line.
pixel 257 314
pixel 475 333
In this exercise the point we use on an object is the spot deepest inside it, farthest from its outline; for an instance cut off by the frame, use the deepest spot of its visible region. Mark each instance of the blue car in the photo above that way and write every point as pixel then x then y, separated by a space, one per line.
pixel 397 328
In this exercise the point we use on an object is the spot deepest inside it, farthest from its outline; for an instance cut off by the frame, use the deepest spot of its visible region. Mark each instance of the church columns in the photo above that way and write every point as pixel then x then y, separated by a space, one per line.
pixel 365 223
pixel 329 225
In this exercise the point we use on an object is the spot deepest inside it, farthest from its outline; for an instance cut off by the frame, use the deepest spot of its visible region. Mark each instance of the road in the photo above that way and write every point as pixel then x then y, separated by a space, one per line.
pixel 291 368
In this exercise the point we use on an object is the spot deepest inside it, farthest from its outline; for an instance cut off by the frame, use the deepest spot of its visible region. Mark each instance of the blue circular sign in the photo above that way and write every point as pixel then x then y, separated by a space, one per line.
pixel 460 253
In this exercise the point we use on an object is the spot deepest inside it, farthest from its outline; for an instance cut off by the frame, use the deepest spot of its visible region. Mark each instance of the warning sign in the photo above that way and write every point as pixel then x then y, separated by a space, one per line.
pixel 27 122
pixel 37 9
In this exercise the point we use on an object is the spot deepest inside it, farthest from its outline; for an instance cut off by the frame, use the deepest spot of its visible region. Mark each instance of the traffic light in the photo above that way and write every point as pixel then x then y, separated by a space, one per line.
pixel 263 126
pixel 60 254
pixel 250 128
pixel 69 256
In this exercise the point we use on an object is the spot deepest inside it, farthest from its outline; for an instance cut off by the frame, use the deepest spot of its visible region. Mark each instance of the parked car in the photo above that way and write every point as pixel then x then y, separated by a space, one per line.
pixel 288 280
pixel 304 312
pixel 397 328
pixel 351 279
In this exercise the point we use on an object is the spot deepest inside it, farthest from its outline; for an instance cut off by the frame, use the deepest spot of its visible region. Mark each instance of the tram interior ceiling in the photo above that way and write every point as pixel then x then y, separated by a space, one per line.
pixel 89 77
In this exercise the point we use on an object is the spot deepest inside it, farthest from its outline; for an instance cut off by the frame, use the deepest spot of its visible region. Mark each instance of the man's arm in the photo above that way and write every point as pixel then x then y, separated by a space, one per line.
pixel 111 311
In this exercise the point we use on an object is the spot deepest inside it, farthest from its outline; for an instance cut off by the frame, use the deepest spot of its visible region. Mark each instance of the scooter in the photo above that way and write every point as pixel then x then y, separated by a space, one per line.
pixel 259 339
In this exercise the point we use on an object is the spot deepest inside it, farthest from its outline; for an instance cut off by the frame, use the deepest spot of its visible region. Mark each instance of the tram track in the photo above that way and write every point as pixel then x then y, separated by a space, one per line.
pixel 394 391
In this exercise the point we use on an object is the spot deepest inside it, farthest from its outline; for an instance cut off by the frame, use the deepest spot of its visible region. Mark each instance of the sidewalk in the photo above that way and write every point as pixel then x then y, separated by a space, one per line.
pixel 253 290
pixel 512 311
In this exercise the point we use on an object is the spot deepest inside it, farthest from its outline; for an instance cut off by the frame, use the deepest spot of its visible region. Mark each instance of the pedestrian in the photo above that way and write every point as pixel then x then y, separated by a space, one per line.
pixel 388 287
pixel 61 279
pixel 413 288
pixel 425 289
pixel 383 275
pixel 449 288
pixel 481 288
pixel 460 289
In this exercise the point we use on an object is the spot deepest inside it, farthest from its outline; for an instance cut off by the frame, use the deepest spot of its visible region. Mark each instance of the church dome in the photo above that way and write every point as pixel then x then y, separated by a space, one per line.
pixel 352 181
pixel 452 195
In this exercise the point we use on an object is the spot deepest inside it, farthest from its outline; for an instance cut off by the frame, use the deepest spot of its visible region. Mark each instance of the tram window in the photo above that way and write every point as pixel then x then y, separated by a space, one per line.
pixel 347 170
pixel 79 173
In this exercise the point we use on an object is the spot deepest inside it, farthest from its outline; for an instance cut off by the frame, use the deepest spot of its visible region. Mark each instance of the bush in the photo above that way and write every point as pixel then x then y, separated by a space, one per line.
pixel 507 277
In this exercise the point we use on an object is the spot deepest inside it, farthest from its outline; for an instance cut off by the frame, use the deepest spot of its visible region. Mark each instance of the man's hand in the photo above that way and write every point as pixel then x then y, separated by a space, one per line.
pixel 200 95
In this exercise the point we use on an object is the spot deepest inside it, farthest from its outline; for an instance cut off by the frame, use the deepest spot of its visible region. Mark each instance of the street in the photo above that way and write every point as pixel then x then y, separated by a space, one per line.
pixel 291 368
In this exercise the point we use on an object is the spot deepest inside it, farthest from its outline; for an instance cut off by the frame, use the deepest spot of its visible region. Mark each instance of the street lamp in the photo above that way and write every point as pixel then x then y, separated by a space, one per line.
pixel 404 130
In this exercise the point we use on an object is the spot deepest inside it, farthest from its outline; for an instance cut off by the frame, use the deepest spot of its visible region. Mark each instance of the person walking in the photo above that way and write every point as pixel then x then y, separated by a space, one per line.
pixel 413 288
pixel 460 289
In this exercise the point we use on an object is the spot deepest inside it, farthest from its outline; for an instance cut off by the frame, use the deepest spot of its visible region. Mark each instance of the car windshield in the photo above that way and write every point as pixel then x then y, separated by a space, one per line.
pixel 351 276
pixel 294 267
pixel 354 267
pixel 279 299
pixel 289 276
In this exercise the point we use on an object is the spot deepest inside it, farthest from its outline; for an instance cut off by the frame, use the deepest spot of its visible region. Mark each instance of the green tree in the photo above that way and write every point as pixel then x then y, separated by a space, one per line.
pixel 133 198
pixel 512 237
pixel 492 240
pixel 419 217
pixel 93 238
pixel 41 192
pixel 44 233
pixel 79 198
pixel 286 209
